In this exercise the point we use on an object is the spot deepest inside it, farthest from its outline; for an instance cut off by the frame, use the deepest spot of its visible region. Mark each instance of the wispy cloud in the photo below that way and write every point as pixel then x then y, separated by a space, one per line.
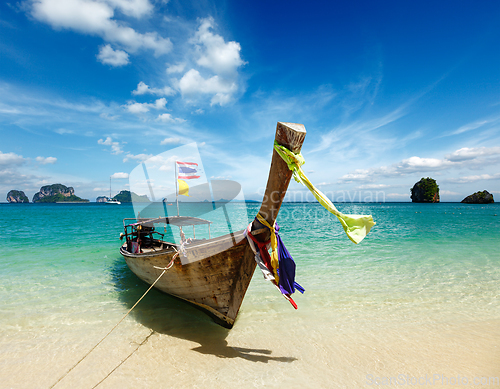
pixel 143 88
pixel 340 134
pixel 474 178
pixel 465 157
pixel 466 153
pixel 168 118
pixel 170 141
pixel 484 123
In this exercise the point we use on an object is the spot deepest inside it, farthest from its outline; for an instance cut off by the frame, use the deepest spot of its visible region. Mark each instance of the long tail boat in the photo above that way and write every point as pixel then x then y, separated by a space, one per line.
pixel 214 273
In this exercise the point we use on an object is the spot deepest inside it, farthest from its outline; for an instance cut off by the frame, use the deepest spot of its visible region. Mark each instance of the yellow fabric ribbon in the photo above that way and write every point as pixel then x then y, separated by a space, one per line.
pixel 355 226
pixel 274 246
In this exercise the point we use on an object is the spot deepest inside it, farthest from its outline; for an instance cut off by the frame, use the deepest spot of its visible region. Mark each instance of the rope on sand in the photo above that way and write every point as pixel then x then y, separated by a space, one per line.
pixel 122 362
pixel 123 318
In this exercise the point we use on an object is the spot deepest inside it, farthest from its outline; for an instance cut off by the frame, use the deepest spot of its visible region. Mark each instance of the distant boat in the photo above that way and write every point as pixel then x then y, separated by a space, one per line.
pixel 111 200
pixel 212 273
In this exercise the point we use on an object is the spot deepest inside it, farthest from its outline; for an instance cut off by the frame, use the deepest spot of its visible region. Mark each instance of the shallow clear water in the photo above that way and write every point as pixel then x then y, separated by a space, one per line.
pixel 419 293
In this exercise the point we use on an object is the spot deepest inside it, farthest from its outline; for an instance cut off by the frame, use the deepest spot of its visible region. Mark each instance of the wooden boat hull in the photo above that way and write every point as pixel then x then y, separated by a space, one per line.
pixel 215 277
pixel 216 273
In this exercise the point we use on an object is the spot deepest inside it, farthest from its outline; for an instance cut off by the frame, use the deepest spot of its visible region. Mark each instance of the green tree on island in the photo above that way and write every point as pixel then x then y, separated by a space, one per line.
pixel 425 191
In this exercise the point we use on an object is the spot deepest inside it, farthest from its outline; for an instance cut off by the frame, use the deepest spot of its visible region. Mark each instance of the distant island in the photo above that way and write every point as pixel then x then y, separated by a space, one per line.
pixel 483 197
pixel 17 196
pixel 57 193
pixel 125 196
pixel 425 191
pixel 101 199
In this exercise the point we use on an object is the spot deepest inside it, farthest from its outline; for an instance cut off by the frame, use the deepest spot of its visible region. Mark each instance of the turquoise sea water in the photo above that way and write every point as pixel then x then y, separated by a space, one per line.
pixel 423 267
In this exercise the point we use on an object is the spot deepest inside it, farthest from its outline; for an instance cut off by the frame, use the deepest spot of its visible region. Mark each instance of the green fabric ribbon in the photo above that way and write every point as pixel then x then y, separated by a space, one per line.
pixel 355 226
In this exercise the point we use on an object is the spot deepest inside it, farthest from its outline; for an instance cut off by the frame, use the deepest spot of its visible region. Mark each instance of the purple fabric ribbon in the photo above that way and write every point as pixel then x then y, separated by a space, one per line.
pixel 286 270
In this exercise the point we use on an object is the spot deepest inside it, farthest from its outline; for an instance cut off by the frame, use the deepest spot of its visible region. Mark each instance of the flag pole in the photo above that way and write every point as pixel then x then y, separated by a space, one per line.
pixel 176 191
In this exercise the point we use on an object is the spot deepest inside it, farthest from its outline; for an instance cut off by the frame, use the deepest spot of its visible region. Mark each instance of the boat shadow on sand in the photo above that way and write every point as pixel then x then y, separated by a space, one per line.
pixel 170 316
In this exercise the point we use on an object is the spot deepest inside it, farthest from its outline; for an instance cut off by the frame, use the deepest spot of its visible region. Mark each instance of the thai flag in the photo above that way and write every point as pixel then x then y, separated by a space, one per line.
pixel 187 170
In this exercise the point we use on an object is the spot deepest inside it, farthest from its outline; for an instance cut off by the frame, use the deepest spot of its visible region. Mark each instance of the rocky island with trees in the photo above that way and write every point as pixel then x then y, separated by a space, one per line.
pixel 125 196
pixel 55 193
pixel 17 196
pixel 425 191
pixel 483 197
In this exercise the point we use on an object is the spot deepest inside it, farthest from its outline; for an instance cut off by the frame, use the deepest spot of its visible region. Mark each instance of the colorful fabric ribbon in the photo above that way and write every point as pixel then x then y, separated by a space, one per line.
pixel 355 226
pixel 287 284
pixel 282 262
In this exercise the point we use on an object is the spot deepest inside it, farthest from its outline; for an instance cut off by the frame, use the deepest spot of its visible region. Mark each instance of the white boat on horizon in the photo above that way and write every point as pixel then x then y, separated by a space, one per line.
pixel 110 199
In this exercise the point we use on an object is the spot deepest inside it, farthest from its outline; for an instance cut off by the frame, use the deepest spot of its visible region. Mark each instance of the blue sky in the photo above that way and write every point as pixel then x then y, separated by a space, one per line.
pixel 389 92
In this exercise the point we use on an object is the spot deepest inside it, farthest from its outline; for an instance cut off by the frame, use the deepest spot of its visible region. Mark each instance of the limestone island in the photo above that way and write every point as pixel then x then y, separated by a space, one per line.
pixel 425 191
pixel 57 193
pixel 17 196
pixel 101 199
pixel 483 197
pixel 125 196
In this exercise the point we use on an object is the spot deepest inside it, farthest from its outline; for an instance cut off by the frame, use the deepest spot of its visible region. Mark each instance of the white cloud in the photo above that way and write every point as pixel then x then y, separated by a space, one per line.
pixel 46 161
pixel 404 167
pixel 216 54
pixel 11 159
pixel 96 18
pixel 108 56
pixel 119 175
pixel 115 146
pixel 374 186
pixel 170 141
pixel 464 157
pixel 192 83
pixel 160 103
pixel 107 116
pixel 415 164
pixel 220 60
pixel 143 88
pixel 474 178
pixel 138 108
pixel 135 8
pixel 138 157
pixel 179 68
pixel 357 175
pixel 168 118
pixel 467 153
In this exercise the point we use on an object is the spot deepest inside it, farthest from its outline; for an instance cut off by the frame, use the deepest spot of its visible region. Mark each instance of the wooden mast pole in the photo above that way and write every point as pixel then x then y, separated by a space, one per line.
pixel 176 191
pixel 291 136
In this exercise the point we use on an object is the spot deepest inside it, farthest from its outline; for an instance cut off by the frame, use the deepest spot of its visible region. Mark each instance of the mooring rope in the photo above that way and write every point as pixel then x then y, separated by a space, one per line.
pixel 122 362
pixel 123 318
